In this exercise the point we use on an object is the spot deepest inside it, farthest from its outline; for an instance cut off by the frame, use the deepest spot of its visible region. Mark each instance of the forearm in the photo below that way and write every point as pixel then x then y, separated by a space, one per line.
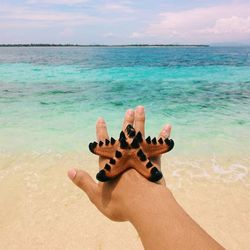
pixel 162 224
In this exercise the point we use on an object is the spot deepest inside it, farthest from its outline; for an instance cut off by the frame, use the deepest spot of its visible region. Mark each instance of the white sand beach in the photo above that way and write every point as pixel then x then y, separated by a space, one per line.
pixel 41 209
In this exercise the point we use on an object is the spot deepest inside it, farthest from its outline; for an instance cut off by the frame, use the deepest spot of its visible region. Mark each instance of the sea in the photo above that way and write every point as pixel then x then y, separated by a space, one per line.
pixel 51 97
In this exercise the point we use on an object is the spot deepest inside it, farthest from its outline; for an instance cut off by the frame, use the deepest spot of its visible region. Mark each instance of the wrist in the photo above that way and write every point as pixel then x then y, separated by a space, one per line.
pixel 149 204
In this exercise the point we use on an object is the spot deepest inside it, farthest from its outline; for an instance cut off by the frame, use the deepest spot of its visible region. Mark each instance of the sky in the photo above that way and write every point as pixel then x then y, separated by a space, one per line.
pixel 125 21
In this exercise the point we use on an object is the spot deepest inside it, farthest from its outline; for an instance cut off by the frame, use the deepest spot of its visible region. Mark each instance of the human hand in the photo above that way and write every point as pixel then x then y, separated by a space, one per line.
pixel 120 198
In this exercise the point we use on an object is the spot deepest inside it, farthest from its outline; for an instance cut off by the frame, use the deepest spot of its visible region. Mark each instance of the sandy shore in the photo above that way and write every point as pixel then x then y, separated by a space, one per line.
pixel 41 209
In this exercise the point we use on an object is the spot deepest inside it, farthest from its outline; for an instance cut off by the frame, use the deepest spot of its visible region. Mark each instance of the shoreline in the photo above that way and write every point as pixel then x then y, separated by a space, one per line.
pixel 215 169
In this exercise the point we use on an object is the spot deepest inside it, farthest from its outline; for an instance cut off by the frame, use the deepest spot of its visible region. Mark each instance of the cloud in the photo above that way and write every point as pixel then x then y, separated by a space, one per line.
pixel 125 21
pixel 118 7
pixel 57 2
pixel 211 24
pixel 29 17
pixel 32 14
pixel 109 34
pixel 233 24
pixel 136 35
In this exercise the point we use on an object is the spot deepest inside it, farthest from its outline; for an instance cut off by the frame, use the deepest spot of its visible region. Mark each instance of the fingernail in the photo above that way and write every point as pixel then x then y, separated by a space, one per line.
pixel 72 173
pixel 140 109
pixel 165 130
pixel 101 120
pixel 130 112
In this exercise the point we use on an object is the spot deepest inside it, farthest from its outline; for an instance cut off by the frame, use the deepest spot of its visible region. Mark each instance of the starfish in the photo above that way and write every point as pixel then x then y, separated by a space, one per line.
pixel 131 150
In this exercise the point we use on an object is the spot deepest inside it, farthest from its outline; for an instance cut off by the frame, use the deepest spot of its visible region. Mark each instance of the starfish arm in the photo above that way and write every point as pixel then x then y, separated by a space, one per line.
pixel 103 150
pixel 118 167
pixel 113 168
pixel 140 166
pixel 145 167
pixel 155 148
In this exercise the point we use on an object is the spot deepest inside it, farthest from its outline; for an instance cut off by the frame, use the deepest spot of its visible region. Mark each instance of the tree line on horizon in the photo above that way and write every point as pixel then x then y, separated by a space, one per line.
pixel 101 45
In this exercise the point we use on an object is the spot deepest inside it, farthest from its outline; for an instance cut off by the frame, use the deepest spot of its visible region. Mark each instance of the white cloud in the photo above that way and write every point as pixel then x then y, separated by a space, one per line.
pixel 211 24
pixel 117 7
pixel 107 20
pixel 233 24
pixel 137 35
pixel 109 34
pixel 26 17
pixel 57 2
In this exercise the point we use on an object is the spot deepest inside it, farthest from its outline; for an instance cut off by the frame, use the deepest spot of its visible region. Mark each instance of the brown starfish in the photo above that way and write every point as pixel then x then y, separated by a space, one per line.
pixel 130 151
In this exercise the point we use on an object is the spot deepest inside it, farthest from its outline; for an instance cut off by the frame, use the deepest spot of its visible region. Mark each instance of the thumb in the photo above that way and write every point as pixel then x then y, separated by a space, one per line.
pixel 84 181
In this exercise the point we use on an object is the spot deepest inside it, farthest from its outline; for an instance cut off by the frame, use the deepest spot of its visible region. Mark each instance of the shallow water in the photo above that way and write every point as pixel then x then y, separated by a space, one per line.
pixel 50 98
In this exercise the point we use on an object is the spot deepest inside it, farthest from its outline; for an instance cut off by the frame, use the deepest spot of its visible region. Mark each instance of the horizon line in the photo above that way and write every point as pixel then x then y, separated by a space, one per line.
pixel 94 45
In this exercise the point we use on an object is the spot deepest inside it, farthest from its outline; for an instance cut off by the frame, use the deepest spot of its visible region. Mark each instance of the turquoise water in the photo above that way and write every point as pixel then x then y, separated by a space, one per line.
pixel 50 98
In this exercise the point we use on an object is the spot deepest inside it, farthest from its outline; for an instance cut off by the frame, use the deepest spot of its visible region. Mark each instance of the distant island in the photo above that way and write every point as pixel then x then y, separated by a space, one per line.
pixel 101 45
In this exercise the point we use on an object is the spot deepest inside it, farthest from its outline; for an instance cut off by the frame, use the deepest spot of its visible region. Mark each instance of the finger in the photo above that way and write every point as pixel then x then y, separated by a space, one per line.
pixel 128 118
pixel 139 123
pixel 165 132
pixel 101 130
pixel 84 181
pixel 101 134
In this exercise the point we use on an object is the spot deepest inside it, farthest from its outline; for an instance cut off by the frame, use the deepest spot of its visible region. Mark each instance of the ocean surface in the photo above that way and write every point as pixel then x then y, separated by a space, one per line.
pixel 50 98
